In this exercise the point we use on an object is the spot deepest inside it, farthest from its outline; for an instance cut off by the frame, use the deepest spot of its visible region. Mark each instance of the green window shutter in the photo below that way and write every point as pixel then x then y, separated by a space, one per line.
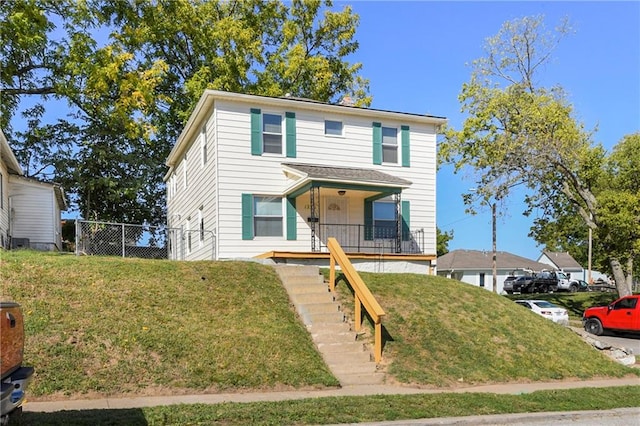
pixel 256 132
pixel 290 123
pixel 406 220
pixel 247 217
pixel 368 220
pixel 406 150
pixel 292 228
pixel 377 143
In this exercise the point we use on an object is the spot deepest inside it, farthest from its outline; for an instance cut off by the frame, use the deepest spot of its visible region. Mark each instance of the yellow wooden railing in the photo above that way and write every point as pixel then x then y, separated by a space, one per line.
pixel 362 295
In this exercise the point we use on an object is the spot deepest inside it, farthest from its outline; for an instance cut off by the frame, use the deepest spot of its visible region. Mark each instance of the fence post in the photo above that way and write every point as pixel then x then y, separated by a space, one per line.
pixel 123 254
pixel 78 230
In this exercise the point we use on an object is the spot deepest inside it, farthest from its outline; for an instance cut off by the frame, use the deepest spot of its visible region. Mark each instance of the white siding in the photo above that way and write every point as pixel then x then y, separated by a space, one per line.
pixel 35 214
pixel 200 193
pixel 240 172
pixel 4 204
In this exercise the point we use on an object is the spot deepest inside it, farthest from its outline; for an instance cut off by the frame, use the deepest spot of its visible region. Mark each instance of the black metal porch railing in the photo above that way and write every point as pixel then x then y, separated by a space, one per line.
pixel 371 239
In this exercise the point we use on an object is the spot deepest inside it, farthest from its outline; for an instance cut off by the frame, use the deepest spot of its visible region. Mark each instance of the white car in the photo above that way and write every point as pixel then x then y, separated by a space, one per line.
pixel 546 309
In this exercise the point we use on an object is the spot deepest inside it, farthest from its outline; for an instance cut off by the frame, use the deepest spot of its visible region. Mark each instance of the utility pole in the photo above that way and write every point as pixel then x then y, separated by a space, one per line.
pixel 495 253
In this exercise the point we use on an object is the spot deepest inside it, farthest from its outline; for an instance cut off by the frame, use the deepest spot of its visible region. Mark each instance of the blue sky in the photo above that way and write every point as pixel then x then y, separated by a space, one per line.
pixel 415 56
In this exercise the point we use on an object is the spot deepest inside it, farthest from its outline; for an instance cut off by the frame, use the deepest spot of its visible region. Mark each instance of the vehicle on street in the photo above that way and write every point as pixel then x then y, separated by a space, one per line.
pixel 546 309
pixel 547 281
pixel 621 315
pixel 14 377
pixel 578 285
pixel 520 283
pixel 507 285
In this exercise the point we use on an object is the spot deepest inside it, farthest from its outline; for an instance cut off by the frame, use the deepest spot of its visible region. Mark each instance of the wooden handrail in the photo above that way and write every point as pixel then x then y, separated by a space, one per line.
pixel 362 296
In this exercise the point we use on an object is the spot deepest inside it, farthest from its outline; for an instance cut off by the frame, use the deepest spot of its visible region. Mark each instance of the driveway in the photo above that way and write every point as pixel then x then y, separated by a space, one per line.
pixel 626 340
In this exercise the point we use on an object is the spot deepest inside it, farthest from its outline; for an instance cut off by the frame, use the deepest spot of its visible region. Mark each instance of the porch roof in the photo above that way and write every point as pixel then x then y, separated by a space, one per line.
pixel 342 177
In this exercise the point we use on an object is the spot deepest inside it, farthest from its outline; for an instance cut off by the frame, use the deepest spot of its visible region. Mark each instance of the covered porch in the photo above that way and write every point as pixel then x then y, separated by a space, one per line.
pixel 363 209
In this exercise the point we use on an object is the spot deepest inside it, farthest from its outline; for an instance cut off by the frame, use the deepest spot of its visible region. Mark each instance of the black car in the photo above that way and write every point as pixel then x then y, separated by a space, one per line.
pixel 520 283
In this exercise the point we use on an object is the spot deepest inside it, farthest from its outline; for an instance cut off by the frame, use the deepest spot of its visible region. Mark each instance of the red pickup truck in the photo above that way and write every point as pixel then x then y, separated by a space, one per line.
pixel 14 377
pixel 620 315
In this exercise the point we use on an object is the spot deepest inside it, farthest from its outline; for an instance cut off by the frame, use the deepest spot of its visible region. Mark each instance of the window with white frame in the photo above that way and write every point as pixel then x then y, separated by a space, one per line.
pixel 389 145
pixel 384 219
pixel 201 226
pixel 272 133
pixel 184 172
pixel 267 216
pixel 333 128
pixel 203 146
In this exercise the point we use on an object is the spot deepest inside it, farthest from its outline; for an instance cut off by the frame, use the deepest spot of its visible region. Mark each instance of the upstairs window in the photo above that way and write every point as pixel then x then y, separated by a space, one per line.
pixel 390 145
pixel 272 133
pixel 203 146
pixel 333 128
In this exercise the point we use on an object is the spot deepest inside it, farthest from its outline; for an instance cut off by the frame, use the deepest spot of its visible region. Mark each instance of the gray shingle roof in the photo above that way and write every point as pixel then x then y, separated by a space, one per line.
pixel 562 260
pixel 476 259
pixel 348 174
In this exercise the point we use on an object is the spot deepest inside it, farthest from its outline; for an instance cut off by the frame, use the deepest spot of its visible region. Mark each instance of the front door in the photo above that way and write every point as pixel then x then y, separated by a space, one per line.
pixel 336 218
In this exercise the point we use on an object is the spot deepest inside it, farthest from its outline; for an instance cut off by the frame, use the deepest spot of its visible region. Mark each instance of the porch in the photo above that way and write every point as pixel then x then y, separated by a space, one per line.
pixel 362 209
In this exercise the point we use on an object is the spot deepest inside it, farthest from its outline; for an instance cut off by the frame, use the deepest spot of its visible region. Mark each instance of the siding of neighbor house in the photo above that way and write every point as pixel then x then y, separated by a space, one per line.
pixel 4 203
pixel 36 214
pixel 231 170
pixel 472 277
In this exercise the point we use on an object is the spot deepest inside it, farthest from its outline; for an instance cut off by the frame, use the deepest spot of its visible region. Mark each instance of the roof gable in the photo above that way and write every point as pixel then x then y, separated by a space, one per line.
pixel 476 259
pixel 562 260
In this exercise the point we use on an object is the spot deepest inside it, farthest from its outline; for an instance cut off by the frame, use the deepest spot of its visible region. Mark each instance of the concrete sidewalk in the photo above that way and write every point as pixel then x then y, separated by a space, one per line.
pixel 150 401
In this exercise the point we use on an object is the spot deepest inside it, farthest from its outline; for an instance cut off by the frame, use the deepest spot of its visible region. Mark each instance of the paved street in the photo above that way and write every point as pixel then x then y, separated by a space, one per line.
pixel 617 417
pixel 629 341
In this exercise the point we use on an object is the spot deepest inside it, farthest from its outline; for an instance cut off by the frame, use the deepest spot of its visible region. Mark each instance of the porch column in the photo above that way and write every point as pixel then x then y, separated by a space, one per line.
pixel 397 199
pixel 314 194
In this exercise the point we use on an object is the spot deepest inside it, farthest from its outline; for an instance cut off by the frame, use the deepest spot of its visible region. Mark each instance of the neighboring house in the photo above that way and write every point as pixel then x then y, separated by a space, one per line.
pixel 476 267
pixel 29 209
pixel 563 262
pixel 8 166
pixel 275 177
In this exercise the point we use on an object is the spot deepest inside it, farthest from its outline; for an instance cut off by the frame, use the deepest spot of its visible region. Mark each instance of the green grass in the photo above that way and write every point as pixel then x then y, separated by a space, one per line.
pixel 442 332
pixel 349 409
pixel 111 326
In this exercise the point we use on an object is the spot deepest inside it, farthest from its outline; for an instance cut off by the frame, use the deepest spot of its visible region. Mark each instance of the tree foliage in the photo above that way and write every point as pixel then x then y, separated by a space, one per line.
pixel 518 132
pixel 128 74
pixel 442 241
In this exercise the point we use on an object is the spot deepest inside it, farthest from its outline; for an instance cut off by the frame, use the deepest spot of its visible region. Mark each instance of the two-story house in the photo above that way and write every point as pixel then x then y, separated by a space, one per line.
pixel 256 176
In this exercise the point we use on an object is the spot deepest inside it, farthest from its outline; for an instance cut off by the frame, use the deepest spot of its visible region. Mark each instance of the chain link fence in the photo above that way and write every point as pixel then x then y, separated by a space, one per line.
pixel 143 241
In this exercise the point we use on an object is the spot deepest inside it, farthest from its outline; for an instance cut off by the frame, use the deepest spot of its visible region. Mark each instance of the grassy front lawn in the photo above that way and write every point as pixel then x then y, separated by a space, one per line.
pixel 111 326
pixel 349 409
pixel 442 332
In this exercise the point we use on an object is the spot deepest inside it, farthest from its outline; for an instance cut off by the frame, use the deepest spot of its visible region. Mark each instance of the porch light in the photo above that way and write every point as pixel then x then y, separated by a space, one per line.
pixel 342 192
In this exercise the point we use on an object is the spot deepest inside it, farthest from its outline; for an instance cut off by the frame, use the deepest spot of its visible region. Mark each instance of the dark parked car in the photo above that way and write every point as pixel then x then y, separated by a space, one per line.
pixel 520 283
pixel 578 285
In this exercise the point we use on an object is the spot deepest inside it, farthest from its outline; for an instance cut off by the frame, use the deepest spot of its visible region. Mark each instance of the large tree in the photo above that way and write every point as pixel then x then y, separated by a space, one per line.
pixel 124 77
pixel 518 132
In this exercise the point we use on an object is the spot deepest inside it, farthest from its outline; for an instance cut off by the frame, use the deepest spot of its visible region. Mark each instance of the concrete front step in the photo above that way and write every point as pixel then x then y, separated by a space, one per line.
pixel 326 317
pixel 321 308
pixel 296 271
pixel 308 280
pixel 341 347
pixel 312 298
pixel 306 288
pixel 346 356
